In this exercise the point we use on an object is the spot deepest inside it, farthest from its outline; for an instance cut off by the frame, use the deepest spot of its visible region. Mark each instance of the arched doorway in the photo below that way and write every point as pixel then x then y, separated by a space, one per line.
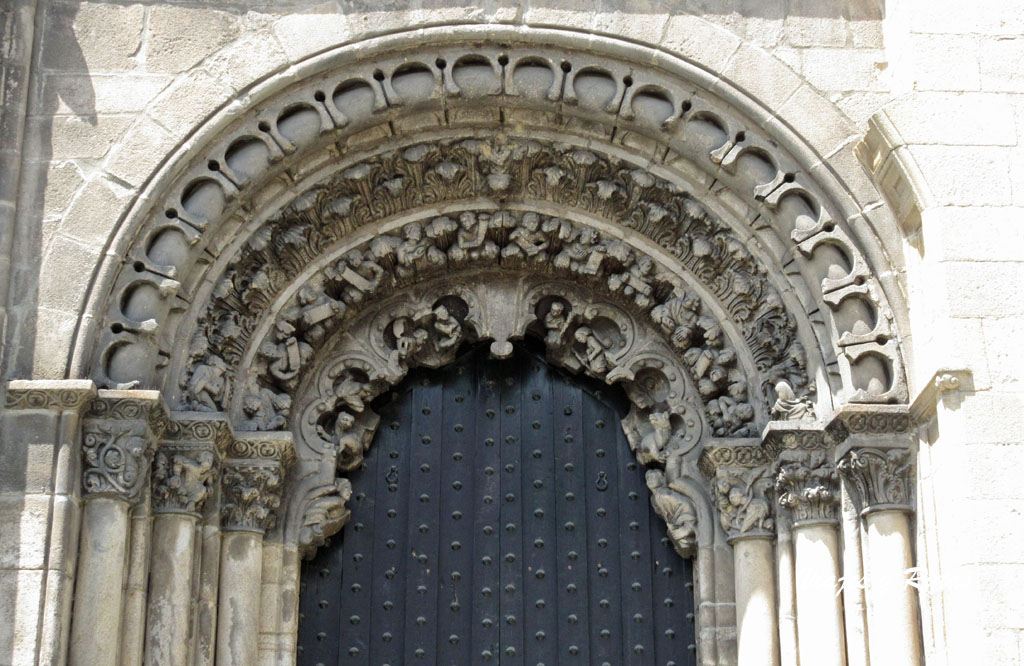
pixel 499 517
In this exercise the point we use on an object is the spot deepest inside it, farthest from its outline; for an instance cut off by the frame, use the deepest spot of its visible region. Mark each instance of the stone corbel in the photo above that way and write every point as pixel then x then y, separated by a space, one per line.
pixel 947 386
pixel 187 461
pixel 119 435
pixel 252 480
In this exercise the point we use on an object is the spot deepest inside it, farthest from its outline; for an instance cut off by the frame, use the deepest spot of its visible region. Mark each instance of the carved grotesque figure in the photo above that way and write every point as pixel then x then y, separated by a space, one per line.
pixel 349 445
pixel 677 511
pixel 678 318
pixel 353 392
pixel 286 354
pixel 180 480
pixel 409 340
pixel 789 407
pixel 313 312
pixel 324 515
pixel 740 508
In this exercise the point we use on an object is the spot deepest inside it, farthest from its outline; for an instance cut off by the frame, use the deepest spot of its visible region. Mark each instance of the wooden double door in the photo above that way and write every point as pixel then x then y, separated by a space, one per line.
pixel 499 518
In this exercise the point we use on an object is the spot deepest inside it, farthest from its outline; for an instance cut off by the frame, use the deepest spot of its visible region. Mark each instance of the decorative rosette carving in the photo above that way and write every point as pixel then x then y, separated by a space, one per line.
pixel 881 478
pixel 809 487
pixel 252 480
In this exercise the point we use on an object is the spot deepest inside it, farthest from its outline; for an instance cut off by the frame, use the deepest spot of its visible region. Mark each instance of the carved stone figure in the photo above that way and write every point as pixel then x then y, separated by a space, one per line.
pixel 326 513
pixel 556 323
pixel 591 352
pixel 471 241
pixel 207 387
pixel 286 354
pixel 313 312
pixel 361 276
pixel 527 241
pixel 678 318
pixel 409 340
pixel 182 479
pixel 448 328
pixel 634 281
pixel 653 445
pixel 350 446
pixel 789 407
pixel 417 253
pixel 353 392
pixel 265 409
pixel 677 511
pixel 742 505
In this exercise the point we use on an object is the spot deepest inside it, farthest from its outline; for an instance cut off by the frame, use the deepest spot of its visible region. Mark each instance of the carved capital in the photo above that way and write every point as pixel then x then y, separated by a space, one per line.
pixel 63 395
pixel 807 485
pixel 880 478
pixel 743 483
pixel 187 461
pixel 119 436
pixel 252 479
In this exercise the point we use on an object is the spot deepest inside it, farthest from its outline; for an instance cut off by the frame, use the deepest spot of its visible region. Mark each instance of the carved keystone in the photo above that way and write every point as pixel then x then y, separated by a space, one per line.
pixel 187 461
pixel 252 479
pixel 119 435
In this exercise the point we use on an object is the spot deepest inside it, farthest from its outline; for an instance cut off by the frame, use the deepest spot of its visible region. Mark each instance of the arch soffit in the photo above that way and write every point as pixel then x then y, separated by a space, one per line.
pixel 640 114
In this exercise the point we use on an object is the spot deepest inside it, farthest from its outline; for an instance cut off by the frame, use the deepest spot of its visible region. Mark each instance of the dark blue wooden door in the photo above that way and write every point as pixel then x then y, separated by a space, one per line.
pixel 500 518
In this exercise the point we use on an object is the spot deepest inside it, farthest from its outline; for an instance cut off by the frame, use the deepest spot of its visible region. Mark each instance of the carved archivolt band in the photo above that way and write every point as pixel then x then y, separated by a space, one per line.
pixel 662 129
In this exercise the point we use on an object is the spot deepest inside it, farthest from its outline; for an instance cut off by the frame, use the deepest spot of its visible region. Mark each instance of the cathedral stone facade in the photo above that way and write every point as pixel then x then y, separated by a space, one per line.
pixel 551 332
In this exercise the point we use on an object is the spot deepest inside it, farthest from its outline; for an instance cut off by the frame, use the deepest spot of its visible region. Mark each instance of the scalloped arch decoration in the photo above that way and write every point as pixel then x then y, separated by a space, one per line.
pixel 662 131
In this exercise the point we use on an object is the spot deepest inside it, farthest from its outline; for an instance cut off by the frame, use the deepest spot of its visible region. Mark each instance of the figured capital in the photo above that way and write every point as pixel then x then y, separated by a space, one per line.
pixel 119 436
pixel 808 486
pixel 187 461
pixel 880 478
pixel 742 478
pixel 252 479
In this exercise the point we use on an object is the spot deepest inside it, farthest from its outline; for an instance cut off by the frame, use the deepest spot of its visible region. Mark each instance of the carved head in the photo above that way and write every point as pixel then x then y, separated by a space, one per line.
pixel 784 391
pixel 354 258
pixel 655 478
pixel 557 308
pixel 344 423
pixel 583 333
pixel 660 420
pixel 412 231
pixel 531 221
pixel 252 404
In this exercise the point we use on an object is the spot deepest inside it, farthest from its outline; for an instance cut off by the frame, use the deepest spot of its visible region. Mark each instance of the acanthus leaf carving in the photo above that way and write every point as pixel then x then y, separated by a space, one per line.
pixel 881 478
pixel 807 485
pixel 116 456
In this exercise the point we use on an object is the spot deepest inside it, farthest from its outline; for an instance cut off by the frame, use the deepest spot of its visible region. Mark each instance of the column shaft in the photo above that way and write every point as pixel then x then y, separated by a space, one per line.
pixel 96 619
pixel 134 628
pixel 787 596
pixel 893 636
pixel 169 612
pixel 819 608
pixel 757 623
pixel 238 608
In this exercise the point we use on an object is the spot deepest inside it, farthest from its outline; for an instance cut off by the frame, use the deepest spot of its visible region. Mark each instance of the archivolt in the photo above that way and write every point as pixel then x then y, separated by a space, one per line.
pixel 665 168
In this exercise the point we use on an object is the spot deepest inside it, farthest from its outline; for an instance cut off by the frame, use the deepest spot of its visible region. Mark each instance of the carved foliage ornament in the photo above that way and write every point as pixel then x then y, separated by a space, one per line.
pixel 116 457
pixel 252 480
pixel 882 478
pixel 808 486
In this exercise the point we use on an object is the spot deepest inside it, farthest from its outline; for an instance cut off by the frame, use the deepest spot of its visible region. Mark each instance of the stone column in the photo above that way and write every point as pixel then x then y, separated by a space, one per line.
pixel 40 452
pixel 118 438
pixel 808 487
pixel 742 479
pixel 184 471
pixel 881 480
pixel 251 485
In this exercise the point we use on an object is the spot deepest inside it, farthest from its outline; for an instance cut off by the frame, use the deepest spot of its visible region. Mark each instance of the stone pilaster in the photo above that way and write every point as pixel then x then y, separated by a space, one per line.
pixel 39 476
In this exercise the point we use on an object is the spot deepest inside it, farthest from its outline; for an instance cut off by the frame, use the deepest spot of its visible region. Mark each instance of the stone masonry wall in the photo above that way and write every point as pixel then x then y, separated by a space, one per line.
pixel 115 87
